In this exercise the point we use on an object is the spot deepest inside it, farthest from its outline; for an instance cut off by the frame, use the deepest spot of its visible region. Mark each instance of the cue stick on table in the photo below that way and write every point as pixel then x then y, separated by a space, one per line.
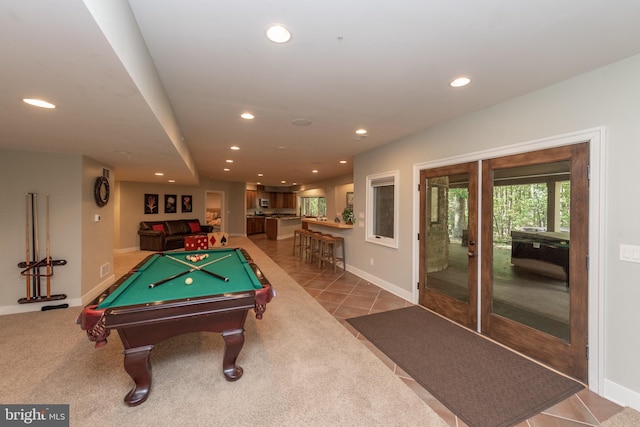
pixel 168 279
pixel 211 262
pixel 27 264
pixel 197 267
pixel 217 276
pixel 200 267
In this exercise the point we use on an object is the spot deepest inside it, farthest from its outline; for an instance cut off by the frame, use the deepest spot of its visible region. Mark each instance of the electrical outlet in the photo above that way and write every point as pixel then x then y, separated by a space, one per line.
pixel 371 261
pixel 629 253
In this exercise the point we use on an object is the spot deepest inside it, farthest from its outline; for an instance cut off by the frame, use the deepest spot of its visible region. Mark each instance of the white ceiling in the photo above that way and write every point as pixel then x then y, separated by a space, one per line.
pixel 165 81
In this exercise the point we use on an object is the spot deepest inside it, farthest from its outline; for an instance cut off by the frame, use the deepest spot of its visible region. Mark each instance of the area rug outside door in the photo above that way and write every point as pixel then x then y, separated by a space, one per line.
pixel 481 382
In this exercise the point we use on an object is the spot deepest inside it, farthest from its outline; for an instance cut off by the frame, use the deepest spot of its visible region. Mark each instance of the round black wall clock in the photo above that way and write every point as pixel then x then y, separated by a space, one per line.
pixel 101 191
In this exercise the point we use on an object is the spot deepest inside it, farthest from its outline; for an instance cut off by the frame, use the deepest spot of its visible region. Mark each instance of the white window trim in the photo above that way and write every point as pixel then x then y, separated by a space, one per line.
pixel 392 176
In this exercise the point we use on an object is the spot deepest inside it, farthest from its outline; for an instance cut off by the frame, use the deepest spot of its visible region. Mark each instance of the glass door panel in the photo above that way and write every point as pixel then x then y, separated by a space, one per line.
pixel 448 265
pixel 447 241
pixel 531 220
pixel 534 254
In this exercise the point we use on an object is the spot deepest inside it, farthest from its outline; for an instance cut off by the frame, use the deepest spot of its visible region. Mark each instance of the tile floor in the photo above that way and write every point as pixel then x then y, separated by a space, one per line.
pixel 345 295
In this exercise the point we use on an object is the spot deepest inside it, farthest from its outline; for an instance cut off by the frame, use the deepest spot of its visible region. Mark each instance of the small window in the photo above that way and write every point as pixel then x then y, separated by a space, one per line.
pixel 313 206
pixel 382 205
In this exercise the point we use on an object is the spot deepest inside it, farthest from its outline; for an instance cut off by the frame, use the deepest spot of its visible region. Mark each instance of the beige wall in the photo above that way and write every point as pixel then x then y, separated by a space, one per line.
pixel 96 239
pixel 131 207
pixel 131 211
pixel 74 236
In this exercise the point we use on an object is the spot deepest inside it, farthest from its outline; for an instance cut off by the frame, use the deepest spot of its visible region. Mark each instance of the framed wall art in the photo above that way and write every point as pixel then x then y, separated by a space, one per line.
pixel 150 203
pixel 350 199
pixel 186 203
pixel 170 203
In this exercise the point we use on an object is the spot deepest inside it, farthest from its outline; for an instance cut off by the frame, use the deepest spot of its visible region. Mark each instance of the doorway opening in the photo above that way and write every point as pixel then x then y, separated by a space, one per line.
pixel 214 208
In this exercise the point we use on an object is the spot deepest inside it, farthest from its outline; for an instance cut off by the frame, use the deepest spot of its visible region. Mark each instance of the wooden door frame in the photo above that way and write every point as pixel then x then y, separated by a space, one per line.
pixel 568 357
pixel 463 313
pixel 596 138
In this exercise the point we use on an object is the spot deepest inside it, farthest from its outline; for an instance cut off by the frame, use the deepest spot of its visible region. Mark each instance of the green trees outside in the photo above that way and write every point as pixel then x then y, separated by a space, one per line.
pixel 313 206
pixel 514 207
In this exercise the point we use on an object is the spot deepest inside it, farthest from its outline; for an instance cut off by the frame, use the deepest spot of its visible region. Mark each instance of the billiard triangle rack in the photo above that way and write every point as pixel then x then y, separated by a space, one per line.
pixel 33 265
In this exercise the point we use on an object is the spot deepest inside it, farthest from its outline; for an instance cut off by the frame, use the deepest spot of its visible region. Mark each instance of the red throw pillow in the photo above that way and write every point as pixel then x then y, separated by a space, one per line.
pixel 195 227
pixel 158 227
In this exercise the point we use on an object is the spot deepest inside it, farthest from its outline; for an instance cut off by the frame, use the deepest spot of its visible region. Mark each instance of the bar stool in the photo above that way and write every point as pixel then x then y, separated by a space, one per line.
pixel 329 251
pixel 300 237
pixel 305 247
pixel 314 246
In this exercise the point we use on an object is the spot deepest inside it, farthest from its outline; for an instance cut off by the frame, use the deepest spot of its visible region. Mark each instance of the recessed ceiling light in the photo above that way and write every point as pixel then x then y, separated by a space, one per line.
pixel 315 171
pixel 343 161
pixel 234 147
pixel 159 174
pixel 278 33
pixel 361 131
pixel 260 174
pixel 247 116
pixel 283 182
pixel 38 103
pixel 229 161
pixel 460 81
pixel 226 169
pixel 172 180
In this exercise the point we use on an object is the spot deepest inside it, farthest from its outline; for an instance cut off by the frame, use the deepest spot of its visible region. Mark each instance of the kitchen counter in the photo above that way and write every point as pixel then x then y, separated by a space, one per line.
pixel 281 227
pixel 332 224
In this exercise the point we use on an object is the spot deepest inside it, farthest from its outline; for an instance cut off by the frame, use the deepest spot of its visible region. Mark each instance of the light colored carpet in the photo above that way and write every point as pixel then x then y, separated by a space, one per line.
pixel 301 367
pixel 628 417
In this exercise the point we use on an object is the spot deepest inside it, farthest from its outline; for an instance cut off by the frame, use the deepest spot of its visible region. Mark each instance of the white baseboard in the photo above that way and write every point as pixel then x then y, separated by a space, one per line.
pixel 621 395
pixel 402 293
pixel 98 289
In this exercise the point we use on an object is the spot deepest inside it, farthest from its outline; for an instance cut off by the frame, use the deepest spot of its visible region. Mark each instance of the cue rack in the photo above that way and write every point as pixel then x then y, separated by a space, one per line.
pixel 33 265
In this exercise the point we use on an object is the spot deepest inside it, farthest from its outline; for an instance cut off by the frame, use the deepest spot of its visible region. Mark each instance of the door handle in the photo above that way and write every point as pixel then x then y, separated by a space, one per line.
pixel 471 254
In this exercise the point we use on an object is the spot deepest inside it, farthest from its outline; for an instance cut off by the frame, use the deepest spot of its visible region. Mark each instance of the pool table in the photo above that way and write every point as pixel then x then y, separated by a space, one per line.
pixel 173 293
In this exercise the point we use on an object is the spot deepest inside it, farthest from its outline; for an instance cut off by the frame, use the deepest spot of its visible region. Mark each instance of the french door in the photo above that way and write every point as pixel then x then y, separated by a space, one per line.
pixel 448 250
pixel 531 292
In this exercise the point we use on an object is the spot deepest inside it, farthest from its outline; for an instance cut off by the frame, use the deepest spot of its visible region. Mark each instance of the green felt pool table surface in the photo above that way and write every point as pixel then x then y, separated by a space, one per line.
pixel 151 303
pixel 228 263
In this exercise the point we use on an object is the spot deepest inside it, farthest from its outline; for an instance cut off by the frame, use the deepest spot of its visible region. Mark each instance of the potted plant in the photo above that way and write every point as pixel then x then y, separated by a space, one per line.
pixel 347 215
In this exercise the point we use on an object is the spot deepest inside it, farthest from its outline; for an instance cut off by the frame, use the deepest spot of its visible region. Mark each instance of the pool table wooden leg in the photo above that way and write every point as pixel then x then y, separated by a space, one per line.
pixel 138 366
pixel 233 342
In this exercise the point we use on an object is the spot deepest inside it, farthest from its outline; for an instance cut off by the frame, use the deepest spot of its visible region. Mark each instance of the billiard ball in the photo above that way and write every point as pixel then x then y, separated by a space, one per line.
pixel 188 280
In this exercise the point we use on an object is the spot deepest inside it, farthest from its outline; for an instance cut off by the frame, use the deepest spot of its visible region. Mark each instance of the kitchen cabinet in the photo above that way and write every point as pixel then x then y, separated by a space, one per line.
pixel 252 196
pixel 255 225
pixel 271 228
pixel 289 200
pixel 281 200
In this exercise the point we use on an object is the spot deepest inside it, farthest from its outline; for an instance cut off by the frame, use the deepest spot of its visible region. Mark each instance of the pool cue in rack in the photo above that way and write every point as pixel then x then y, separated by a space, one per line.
pixel 33 264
